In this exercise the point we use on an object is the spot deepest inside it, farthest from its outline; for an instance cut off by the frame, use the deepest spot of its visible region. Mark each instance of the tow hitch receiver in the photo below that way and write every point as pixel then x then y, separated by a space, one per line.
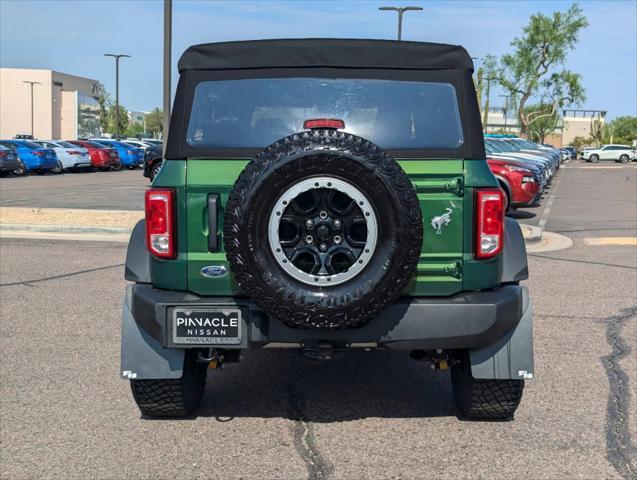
pixel 319 350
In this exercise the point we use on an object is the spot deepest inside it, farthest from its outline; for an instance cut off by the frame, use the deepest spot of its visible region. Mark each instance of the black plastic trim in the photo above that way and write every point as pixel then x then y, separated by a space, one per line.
pixel 514 262
pixel 467 320
pixel 213 222
pixel 137 267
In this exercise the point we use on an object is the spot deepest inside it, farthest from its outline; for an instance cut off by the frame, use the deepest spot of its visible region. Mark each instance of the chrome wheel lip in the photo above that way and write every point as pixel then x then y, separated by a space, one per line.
pixel 342 186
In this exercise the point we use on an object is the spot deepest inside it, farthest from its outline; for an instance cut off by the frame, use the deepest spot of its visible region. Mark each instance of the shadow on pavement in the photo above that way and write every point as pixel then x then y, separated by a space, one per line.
pixel 520 214
pixel 283 384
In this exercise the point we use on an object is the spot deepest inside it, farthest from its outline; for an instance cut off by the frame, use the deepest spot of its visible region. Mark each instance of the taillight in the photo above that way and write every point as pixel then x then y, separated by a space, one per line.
pixel 74 152
pixel 130 152
pixel 160 228
pixel 324 123
pixel 489 206
pixel 3 154
pixel 38 153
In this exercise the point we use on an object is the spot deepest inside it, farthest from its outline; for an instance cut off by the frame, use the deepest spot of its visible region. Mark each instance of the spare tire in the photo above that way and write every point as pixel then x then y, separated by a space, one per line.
pixel 323 229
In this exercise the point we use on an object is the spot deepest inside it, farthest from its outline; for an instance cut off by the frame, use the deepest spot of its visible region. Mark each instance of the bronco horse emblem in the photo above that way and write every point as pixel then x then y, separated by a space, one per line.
pixel 440 221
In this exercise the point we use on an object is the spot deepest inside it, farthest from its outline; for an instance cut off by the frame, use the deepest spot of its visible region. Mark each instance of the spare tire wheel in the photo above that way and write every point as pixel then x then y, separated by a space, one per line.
pixel 323 229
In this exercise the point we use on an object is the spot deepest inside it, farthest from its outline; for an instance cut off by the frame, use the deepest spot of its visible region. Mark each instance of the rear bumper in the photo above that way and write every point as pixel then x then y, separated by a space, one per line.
pixel 468 320
pixel 9 165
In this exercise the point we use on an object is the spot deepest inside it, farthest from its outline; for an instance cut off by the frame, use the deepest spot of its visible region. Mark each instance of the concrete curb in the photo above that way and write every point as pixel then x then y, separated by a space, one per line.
pixel 532 235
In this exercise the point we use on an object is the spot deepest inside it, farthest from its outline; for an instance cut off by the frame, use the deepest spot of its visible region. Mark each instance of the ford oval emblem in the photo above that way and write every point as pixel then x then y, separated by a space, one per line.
pixel 212 271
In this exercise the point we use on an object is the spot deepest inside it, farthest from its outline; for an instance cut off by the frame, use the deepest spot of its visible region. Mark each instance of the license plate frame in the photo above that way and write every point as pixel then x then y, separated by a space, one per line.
pixel 220 321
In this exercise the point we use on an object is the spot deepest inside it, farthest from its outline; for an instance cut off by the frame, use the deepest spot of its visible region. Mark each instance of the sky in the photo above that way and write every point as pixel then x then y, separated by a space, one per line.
pixel 71 36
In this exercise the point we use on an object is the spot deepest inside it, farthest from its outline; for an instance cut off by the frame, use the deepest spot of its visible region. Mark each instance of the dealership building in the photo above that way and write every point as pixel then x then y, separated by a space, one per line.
pixel 64 106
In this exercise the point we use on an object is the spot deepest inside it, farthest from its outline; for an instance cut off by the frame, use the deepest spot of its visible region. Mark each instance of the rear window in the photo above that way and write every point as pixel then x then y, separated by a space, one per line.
pixel 253 113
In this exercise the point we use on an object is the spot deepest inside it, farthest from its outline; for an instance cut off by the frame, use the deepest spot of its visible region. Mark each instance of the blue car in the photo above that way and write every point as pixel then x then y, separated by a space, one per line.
pixel 130 157
pixel 34 158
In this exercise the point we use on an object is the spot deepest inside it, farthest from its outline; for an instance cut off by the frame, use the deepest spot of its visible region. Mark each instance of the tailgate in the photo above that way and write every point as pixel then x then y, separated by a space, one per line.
pixel 440 188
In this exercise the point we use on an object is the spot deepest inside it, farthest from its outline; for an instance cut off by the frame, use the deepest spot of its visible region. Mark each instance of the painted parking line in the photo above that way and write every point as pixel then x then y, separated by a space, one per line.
pixel 602 167
pixel 630 241
pixel 549 204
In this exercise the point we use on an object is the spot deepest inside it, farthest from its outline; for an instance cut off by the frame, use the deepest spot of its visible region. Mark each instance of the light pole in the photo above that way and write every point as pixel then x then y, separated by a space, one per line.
pixel 506 109
pixel 116 57
pixel 487 93
pixel 32 83
pixel 401 11
pixel 168 18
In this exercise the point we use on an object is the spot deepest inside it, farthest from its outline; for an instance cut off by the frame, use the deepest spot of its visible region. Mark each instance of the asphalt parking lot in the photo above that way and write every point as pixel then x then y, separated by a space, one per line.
pixel 66 414
pixel 123 190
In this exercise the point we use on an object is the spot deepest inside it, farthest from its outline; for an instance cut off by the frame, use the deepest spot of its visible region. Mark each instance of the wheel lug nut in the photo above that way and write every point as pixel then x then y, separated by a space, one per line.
pixel 337 223
pixel 323 215
pixel 309 239
pixel 337 239
pixel 309 223
pixel 323 247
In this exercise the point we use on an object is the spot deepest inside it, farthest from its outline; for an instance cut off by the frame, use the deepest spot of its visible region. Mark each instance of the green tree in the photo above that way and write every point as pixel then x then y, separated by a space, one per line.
pixel 105 102
pixel 123 120
pixel 487 75
pixel 579 142
pixel 134 129
pixel 544 125
pixel 531 70
pixel 155 122
pixel 597 131
pixel 621 130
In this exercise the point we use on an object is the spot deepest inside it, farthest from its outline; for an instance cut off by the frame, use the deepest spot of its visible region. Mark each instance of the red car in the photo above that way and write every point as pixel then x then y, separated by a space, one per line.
pixel 520 185
pixel 102 157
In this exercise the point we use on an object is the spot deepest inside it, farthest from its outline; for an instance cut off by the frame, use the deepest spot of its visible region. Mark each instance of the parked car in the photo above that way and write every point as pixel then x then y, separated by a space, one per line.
pixel 495 147
pixel 528 146
pixel 520 184
pixel 102 156
pixel 153 161
pixel 317 242
pixel 571 152
pixel 9 161
pixel 133 142
pixel 34 158
pixel 130 157
pixel 70 157
pixel 617 153
pixel 152 141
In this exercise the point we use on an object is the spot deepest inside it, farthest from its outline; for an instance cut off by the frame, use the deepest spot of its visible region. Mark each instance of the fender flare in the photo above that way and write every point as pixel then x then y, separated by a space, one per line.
pixel 137 267
pixel 514 262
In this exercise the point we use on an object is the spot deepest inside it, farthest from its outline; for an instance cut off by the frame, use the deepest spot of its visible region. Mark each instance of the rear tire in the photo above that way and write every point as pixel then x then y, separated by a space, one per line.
pixel 58 168
pixel 623 158
pixel 479 399
pixel 20 171
pixel 154 171
pixel 174 397
pixel 507 197
pixel 116 166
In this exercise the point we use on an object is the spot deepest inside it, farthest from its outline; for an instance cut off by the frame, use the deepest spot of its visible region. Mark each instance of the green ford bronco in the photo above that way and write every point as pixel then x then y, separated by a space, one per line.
pixel 325 195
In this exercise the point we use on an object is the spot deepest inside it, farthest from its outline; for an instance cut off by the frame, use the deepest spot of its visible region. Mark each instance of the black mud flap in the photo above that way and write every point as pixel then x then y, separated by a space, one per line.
pixel 143 357
pixel 510 357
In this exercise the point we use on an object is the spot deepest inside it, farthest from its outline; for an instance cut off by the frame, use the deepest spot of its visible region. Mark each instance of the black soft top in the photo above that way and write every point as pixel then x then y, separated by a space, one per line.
pixel 328 52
